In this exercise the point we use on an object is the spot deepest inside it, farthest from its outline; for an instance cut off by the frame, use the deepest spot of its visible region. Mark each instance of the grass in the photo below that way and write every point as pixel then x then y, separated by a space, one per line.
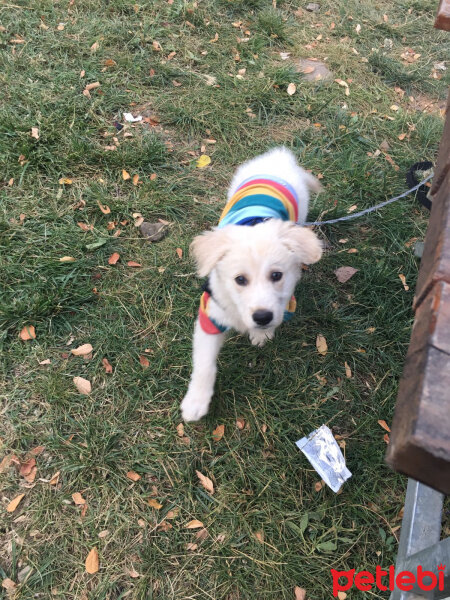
pixel 284 391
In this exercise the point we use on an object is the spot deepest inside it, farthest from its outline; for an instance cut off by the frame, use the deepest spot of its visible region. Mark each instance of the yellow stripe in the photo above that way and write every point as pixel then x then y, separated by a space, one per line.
pixel 259 188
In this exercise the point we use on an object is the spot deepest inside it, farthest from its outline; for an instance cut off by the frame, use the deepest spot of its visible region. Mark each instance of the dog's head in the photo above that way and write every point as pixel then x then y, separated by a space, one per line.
pixel 254 269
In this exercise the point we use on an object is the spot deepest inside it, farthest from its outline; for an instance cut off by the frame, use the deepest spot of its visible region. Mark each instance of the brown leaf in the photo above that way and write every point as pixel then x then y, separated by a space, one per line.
pixel 125 175
pixel 14 503
pixel 206 482
pixel 384 425
pixel 8 584
pixel 180 429
pixel 28 333
pixel 179 253
pixel 218 433
pixel 300 593
pixel 133 573
pixel 133 476
pixel 31 475
pixel 132 263
pixel 95 46
pixel 66 259
pixel 318 486
pixel 55 479
pixel 109 62
pixel 107 366
pixel 78 499
pixel 113 258
pixel 82 350
pixel 27 466
pixel 135 179
pixel 321 344
pixel 402 136
pixel 194 524
pixel 259 535
pixel 153 176
pixel 85 226
pixel 191 546
pixel 386 438
pixel 348 371
pixel 92 564
pixel 82 385
pixel 154 503
pixel 35 133
pixel 92 86
pixel 240 423
pixel 64 181
pixel 308 69
pixel 291 89
pixel 144 361
pixel 104 208
pixel 403 280
pixel 343 274
pixel 202 534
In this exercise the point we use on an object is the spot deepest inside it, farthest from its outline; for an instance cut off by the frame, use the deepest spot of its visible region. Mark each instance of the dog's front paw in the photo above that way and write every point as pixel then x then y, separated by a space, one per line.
pixel 259 337
pixel 194 407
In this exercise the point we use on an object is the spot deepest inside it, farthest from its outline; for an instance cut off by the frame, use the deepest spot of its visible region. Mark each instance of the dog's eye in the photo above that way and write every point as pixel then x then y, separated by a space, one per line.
pixel 276 276
pixel 241 280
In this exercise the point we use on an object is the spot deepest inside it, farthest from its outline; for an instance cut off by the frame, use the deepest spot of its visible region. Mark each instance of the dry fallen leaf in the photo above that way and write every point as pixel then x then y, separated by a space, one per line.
pixel 133 573
pixel 113 258
pixel 291 89
pixel 144 361
pixel 133 476
pixel 384 425
pixel 318 486
pixel 218 433
pixel 132 263
pixel 104 208
pixel 259 535
pixel 28 333
pixel 82 350
pixel 240 423
pixel 135 179
pixel 125 175
pixel 8 584
pixel 321 344
pixel 386 438
pixel 194 524
pixel 66 259
pixel 180 429
pixel 203 161
pixel 154 503
pixel 342 595
pixel 107 365
pixel 78 499
pixel 91 563
pixel 300 593
pixel 85 226
pixel 14 503
pixel 190 545
pixel 27 466
pixel 31 476
pixel 179 253
pixel 65 181
pixel 35 133
pixel 55 478
pixel 403 280
pixel 103 533
pixel 348 371
pixel 206 482
pixel 343 274
pixel 82 385
pixel 95 46
pixel 402 136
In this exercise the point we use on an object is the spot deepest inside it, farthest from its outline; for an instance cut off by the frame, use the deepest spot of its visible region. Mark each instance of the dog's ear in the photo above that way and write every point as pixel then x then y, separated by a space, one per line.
pixel 303 242
pixel 208 248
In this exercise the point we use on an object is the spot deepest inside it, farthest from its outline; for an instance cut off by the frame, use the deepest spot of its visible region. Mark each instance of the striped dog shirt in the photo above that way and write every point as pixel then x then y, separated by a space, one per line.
pixel 257 199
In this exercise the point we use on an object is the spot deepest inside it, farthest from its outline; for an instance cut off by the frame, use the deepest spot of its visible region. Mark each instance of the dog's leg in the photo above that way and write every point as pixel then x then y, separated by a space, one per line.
pixel 206 348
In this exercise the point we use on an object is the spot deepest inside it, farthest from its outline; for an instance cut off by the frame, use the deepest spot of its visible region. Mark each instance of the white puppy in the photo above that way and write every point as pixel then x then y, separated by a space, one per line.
pixel 253 261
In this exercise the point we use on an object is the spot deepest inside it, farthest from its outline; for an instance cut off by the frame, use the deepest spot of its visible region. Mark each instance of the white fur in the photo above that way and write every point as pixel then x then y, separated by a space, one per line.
pixel 254 252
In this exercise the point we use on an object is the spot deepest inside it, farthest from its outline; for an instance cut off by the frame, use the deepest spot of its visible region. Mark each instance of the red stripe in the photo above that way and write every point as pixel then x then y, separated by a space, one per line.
pixel 278 187
pixel 205 322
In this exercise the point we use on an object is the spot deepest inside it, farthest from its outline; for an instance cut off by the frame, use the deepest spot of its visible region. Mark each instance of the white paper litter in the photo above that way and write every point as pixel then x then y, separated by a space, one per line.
pixel 323 452
pixel 129 117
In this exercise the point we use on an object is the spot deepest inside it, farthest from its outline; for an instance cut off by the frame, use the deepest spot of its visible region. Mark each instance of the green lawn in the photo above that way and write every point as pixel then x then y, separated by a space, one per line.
pixel 209 79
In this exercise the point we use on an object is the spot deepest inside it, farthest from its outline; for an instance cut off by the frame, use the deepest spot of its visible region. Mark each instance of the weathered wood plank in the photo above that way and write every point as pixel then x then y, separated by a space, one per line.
pixel 420 438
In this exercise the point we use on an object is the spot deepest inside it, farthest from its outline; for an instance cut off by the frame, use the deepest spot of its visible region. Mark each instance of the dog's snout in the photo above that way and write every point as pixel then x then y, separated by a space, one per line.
pixel 262 317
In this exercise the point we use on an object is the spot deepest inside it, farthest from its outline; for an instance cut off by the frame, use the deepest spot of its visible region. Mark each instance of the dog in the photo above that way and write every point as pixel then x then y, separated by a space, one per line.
pixel 252 260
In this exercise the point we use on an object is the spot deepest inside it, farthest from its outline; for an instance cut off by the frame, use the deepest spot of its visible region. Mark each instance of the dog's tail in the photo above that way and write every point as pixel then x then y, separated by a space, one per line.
pixel 312 182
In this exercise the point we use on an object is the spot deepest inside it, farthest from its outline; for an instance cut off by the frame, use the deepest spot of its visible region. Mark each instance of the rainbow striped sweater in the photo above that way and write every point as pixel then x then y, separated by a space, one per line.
pixel 257 199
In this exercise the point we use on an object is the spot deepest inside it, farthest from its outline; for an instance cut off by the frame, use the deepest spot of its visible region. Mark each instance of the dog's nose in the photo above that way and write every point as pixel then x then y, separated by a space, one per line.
pixel 262 317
